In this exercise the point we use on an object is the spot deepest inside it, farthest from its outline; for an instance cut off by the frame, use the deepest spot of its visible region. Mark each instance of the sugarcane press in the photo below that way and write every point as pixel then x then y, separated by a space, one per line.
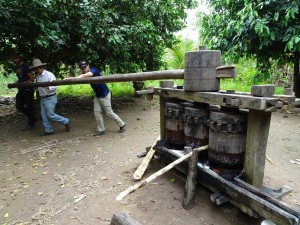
pixel 235 126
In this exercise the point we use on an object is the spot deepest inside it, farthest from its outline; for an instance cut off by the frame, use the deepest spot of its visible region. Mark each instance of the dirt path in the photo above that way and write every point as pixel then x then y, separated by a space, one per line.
pixel 41 178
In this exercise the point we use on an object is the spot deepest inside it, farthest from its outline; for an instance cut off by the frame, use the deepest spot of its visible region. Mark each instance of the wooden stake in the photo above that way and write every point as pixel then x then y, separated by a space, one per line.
pixel 142 168
pixel 155 175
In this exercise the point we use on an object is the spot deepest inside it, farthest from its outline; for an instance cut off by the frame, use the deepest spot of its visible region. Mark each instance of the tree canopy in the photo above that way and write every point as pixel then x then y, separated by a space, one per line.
pixel 265 29
pixel 127 35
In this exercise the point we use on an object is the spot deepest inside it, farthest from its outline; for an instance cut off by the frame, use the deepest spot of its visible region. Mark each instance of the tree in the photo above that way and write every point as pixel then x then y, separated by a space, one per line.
pixel 175 56
pixel 265 29
pixel 128 36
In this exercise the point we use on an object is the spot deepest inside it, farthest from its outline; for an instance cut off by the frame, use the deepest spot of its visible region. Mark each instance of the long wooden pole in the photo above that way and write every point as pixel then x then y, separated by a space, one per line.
pixel 142 168
pixel 153 75
pixel 157 174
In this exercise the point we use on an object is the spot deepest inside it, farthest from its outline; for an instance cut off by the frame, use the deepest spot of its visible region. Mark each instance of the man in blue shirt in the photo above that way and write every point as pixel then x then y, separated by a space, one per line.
pixel 102 100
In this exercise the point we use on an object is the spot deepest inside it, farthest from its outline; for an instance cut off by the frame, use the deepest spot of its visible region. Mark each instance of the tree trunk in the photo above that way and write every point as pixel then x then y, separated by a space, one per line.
pixel 297 77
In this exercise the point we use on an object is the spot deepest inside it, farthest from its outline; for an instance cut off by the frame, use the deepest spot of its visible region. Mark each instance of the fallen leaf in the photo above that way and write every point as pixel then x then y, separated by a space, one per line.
pixel 292 161
pixel 82 196
pixel 6 215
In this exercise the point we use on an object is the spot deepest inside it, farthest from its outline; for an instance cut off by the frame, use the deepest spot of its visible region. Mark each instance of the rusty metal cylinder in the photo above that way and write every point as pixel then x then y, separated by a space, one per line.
pixel 227 138
pixel 195 126
pixel 174 124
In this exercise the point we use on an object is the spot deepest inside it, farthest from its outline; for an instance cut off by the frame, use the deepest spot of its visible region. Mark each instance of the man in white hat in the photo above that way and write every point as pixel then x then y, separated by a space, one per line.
pixel 48 98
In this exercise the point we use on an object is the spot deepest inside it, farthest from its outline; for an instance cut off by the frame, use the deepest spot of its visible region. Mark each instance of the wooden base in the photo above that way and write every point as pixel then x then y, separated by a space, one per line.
pixel 248 201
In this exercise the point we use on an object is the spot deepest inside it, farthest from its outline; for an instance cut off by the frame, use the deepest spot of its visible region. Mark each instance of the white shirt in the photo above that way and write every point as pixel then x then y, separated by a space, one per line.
pixel 46 76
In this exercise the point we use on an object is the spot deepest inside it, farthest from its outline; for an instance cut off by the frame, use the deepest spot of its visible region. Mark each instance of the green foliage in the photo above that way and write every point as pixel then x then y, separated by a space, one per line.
pixel 129 36
pixel 174 57
pixel 84 90
pixel 265 29
pixel 5 79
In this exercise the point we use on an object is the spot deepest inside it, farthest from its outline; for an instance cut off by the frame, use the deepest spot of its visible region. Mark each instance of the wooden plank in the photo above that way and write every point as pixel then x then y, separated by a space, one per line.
pixel 216 98
pixel 244 199
pixel 257 136
pixel 287 99
pixel 266 196
pixel 226 71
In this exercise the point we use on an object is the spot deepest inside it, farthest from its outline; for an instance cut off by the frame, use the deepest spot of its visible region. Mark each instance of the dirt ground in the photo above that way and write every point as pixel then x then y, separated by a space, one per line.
pixel 74 178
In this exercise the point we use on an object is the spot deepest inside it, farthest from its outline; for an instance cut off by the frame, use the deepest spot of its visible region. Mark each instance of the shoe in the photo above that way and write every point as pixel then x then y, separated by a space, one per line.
pixel 99 133
pixel 28 128
pixel 141 155
pixel 46 133
pixel 68 127
pixel 122 128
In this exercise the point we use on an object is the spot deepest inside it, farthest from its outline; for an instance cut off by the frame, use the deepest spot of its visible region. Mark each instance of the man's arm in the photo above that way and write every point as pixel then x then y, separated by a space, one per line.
pixel 85 75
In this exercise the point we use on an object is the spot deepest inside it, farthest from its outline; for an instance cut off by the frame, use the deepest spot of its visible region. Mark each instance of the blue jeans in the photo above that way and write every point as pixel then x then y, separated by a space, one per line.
pixel 47 110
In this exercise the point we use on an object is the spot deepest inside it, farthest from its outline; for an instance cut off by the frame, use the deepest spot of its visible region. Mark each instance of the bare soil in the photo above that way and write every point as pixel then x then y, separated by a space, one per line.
pixel 74 177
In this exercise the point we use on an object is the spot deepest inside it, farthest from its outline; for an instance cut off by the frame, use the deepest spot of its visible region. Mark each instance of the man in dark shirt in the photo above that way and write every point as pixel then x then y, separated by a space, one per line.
pixel 25 96
pixel 102 100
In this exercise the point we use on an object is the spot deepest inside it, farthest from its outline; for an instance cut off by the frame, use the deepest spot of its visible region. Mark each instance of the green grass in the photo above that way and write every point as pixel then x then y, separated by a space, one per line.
pixel 4 90
pixel 118 90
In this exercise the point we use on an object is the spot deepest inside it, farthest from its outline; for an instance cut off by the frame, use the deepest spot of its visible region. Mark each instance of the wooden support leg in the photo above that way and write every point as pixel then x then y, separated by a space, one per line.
pixel 256 144
pixel 191 181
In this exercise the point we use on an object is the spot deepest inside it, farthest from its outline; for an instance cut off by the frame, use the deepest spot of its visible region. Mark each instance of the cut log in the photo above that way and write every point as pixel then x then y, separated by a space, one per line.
pixel 120 218
pixel 154 75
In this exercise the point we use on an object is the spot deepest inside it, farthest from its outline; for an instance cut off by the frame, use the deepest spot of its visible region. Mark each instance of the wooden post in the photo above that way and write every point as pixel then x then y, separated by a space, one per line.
pixel 120 218
pixel 257 137
pixel 191 181
pixel 162 103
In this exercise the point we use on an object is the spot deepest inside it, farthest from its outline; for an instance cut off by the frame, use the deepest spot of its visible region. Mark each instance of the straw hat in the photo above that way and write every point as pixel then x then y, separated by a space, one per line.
pixel 37 63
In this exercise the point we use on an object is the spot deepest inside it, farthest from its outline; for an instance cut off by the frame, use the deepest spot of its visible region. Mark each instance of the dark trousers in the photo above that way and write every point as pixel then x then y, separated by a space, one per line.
pixel 25 104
